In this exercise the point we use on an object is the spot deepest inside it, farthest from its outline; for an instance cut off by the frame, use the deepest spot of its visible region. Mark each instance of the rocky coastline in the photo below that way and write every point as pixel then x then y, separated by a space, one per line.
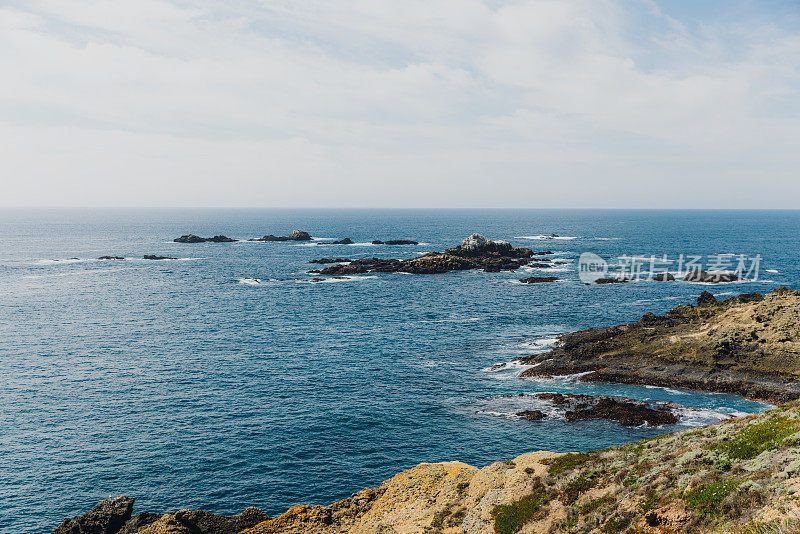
pixel 740 476
pixel 748 345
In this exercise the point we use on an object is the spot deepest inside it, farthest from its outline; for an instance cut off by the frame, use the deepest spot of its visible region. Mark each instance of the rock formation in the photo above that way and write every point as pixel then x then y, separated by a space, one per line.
pixel 191 238
pixel 748 345
pixel 741 476
pixel 538 279
pixel 296 235
pixel 475 252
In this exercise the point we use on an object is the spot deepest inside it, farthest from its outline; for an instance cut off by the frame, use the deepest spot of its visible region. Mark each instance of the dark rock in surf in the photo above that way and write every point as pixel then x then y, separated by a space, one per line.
pixel 663 277
pixel 191 238
pixel 107 517
pixel 345 241
pixel 538 279
pixel 331 260
pixel 611 280
pixel 297 235
pixel 110 258
pixel 711 278
pixel 154 257
pixel 395 242
pixel 626 412
pixel 532 415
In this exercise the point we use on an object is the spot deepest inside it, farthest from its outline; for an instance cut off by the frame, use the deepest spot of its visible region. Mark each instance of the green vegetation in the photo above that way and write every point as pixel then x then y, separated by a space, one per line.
pixel 574 489
pixel 570 461
pixel 709 498
pixel 756 439
pixel 615 524
pixel 509 518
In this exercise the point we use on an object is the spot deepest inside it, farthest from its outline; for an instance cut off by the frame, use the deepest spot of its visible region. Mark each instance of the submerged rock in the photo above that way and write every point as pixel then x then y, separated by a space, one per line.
pixel 345 241
pixel 110 258
pixel 155 257
pixel 107 517
pixel 611 280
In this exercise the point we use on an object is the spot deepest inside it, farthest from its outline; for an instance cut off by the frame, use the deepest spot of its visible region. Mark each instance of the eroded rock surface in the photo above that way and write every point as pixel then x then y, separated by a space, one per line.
pixel 748 345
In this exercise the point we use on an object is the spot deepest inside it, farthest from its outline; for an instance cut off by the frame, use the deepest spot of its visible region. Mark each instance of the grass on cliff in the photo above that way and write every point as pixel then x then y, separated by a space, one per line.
pixel 570 461
pixel 709 498
pixel 756 439
pixel 509 518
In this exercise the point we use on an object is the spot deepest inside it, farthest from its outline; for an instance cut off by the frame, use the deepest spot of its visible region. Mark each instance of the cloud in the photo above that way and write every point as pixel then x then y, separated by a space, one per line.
pixel 530 103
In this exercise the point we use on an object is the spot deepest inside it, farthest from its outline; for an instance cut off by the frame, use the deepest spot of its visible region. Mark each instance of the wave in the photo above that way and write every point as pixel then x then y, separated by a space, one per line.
pixel 65 261
pixel 547 237
pixel 249 281
pixel 773 271
pixel 336 279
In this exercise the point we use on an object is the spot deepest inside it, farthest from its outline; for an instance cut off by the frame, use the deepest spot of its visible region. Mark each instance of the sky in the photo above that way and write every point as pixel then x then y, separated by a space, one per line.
pixel 404 103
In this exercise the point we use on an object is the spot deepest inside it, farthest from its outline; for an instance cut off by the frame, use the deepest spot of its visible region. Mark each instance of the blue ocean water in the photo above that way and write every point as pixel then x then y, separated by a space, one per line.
pixel 182 385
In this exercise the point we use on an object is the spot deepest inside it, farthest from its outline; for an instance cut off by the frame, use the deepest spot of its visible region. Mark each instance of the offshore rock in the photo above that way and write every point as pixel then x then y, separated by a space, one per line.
pixel 475 252
pixel 155 257
pixel 345 241
pixel 711 278
pixel 532 415
pixel 538 279
pixel 191 238
pixel 663 277
pixel 296 235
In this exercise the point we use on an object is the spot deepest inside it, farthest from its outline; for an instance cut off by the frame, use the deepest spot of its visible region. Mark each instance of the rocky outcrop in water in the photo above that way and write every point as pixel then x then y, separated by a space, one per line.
pixel 711 278
pixel 191 238
pixel 532 415
pixel 110 258
pixel 748 345
pixel 156 257
pixel 475 252
pixel 395 242
pixel 297 235
pixel 345 241
pixel 663 277
pixel 538 279
pixel 331 260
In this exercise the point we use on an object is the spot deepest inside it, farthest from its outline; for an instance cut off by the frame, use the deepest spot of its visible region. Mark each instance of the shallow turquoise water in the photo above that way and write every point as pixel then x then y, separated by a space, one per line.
pixel 176 383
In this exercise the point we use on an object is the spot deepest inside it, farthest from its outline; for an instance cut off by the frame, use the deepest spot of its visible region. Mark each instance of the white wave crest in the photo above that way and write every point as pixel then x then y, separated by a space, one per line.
pixel 547 237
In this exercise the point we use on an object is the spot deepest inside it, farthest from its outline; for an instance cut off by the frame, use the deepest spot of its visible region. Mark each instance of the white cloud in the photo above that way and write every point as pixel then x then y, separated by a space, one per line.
pixel 375 103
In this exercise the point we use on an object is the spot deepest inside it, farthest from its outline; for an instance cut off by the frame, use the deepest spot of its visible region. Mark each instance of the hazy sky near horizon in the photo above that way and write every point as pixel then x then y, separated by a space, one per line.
pixel 405 103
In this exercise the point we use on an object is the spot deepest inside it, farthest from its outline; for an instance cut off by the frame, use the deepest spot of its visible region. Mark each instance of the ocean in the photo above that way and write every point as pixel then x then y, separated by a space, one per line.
pixel 187 384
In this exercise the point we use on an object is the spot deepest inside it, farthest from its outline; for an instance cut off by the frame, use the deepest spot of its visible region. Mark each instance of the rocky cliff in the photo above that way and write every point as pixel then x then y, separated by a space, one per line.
pixel 748 345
